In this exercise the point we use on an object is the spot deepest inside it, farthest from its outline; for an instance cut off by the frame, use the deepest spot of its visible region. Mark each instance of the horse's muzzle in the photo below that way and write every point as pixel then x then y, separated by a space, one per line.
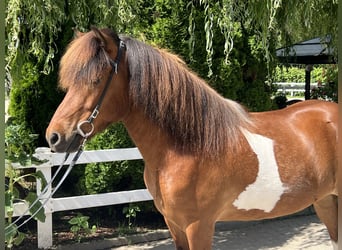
pixel 59 143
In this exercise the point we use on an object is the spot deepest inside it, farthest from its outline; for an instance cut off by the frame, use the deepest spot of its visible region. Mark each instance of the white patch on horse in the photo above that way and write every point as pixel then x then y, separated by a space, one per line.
pixel 335 245
pixel 267 189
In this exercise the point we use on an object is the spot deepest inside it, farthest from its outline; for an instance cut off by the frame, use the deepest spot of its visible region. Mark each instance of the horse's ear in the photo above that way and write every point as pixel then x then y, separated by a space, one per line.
pixel 77 33
pixel 99 36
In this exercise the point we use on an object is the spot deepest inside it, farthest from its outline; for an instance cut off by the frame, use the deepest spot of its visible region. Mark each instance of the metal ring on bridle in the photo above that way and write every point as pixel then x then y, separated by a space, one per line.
pixel 81 132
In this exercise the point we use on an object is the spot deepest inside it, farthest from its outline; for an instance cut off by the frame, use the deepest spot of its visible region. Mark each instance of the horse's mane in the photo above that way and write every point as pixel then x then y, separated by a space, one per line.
pixel 193 114
pixel 85 60
pixel 198 118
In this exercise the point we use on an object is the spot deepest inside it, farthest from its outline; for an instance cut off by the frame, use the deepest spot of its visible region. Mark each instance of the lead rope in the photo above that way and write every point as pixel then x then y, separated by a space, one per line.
pixel 114 64
pixel 11 228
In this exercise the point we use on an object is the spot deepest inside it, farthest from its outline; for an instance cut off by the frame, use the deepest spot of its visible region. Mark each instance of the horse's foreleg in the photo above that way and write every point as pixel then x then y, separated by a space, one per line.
pixel 178 236
pixel 327 210
pixel 200 235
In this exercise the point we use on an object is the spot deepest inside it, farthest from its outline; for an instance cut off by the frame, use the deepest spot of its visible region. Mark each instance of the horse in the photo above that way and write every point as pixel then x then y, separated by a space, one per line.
pixel 207 158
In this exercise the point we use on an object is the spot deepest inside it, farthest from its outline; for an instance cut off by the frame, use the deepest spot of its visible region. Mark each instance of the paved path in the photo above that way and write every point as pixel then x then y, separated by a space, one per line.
pixel 303 232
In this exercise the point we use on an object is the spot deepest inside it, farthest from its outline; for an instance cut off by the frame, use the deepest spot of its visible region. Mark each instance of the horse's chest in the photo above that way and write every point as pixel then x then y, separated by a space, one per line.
pixel 266 190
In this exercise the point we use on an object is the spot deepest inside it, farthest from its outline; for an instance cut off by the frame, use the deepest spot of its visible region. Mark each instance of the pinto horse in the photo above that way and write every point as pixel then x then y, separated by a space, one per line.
pixel 206 158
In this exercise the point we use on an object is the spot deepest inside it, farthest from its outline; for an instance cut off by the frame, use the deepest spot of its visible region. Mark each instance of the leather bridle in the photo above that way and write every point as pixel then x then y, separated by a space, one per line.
pixel 114 70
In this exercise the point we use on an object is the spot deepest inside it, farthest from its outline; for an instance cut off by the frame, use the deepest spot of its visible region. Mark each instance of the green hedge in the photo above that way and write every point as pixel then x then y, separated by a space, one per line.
pixel 320 73
pixel 116 176
pixel 326 77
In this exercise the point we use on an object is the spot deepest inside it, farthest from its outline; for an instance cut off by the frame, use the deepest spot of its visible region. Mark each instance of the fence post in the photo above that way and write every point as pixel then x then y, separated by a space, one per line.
pixel 45 239
pixel 44 229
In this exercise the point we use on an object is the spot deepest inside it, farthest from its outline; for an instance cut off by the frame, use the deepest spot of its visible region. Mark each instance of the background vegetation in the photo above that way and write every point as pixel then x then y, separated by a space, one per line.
pixel 320 74
pixel 324 77
pixel 229 43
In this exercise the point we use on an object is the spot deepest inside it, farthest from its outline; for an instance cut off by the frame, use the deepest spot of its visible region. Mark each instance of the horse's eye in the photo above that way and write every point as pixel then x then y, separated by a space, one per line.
pixel 95 81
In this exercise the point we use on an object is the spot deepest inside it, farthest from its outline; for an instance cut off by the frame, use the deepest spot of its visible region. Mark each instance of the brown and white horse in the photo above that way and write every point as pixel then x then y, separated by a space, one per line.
pixel 206 158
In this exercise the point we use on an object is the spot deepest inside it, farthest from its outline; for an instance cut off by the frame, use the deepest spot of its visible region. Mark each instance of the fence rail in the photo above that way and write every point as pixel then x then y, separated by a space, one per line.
pixel 293 87
pixel 44 230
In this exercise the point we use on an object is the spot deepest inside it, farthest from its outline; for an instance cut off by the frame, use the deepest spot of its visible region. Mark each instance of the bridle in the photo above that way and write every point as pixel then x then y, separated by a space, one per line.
pixel 114 70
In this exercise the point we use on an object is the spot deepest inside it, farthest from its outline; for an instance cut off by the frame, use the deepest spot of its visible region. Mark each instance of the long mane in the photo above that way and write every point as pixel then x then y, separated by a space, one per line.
pixel 182 104
pixel 195 116
pixel 85 60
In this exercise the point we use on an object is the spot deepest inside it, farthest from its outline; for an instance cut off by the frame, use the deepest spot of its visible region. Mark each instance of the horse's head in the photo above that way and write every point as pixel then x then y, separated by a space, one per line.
pixel 92 67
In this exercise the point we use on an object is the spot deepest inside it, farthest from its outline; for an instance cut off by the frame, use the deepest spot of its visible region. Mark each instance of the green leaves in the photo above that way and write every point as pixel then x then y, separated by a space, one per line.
pixel 9 197
pixel 131 213
pixel 13 236
pixel 18 149
pixel 32 29
pixel 80 221
pixel 18 143
pixel 80 224
pixel 36 208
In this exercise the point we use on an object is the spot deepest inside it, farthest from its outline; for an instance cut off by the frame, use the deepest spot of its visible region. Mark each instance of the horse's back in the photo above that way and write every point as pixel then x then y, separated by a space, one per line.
pixel 330 109
pixel 313 122
pixel 305 141
pixel 316 119
pixel 303 116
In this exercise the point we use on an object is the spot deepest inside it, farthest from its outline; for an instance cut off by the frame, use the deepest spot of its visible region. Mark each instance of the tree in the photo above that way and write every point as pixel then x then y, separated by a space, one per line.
pixel 32 28
pixel 288 20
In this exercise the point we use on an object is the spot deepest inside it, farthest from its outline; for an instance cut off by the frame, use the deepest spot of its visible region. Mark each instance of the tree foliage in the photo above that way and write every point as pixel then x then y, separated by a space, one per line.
pixel 33 27
pixel 320 74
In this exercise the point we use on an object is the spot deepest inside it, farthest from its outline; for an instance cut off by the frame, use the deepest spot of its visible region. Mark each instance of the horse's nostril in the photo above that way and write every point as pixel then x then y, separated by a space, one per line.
pixel 54 139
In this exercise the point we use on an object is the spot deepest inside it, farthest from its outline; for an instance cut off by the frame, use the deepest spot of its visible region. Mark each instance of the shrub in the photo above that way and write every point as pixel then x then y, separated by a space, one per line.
pixel 80 226
pixel 289 74
pixel 33 99
pixel 327 88
pixel 18 150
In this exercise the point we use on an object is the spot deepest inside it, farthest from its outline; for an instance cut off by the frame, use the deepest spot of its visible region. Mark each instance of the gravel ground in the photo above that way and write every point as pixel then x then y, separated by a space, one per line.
pixel 303 232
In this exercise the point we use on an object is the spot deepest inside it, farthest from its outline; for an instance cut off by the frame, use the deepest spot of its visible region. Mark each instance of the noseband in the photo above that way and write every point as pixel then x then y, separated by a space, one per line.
pixel 114 70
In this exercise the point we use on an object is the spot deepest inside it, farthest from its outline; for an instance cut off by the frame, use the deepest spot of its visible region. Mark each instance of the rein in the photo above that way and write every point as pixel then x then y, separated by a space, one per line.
pixel 114 70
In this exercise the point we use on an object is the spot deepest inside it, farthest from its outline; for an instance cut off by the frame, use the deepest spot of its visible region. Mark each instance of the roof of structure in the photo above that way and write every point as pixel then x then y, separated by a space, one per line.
pixel 313 51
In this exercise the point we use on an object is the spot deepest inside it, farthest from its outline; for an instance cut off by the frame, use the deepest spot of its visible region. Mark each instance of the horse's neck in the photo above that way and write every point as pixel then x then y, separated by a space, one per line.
pixel 148 137
pixel 158 150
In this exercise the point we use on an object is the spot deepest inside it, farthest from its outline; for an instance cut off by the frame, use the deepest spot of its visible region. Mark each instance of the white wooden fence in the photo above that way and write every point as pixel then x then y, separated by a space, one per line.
pixel 293 88
pixel 84 201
